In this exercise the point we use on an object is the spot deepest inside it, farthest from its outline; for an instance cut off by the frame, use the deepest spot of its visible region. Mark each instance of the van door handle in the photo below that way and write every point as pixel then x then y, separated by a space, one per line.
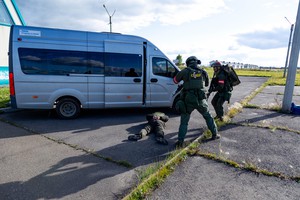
pixel 137 80
pixel 153 80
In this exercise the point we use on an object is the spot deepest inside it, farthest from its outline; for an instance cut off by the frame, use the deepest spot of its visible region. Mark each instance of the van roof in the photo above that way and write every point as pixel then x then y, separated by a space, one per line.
pixel 32 31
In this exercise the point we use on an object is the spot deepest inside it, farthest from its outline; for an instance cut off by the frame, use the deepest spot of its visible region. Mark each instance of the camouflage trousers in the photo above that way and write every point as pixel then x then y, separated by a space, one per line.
pixel 156 126
pixel 202 108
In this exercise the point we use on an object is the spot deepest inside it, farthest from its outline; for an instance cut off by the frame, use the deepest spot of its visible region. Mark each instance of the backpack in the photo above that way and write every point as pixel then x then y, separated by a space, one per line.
pixel 233 78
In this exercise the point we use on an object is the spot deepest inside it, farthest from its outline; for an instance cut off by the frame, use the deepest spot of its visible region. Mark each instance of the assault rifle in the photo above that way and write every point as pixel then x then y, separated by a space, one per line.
pixel 179 88
pixel 213 86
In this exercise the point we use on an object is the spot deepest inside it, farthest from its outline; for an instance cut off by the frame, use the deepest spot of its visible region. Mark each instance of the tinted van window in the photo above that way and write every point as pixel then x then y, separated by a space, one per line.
pixel 60 62
pixel 95 63
pixel 117 64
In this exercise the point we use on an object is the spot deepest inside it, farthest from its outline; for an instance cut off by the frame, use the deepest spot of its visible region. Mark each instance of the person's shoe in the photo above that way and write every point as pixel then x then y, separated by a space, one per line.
pixel 161 140
pixel 134 137
pixel 179 144
pixel 215 136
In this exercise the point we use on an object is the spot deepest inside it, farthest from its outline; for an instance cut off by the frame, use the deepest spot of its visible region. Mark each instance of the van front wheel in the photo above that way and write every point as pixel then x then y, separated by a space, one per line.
pixel 67 108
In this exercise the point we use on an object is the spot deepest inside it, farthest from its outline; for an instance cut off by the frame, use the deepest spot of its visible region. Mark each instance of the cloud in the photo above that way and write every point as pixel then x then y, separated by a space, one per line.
pixel 186 27
pixel 129 15
pixel 276 38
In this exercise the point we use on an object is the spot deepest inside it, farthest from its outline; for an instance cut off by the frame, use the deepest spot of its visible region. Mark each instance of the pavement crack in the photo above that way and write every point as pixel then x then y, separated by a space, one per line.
pixel 250 167
pixel 73 146
pixel 271 127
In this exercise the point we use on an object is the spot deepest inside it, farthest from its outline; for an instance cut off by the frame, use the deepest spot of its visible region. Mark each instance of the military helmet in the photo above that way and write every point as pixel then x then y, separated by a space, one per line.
pixel 216 64
pixel 192 60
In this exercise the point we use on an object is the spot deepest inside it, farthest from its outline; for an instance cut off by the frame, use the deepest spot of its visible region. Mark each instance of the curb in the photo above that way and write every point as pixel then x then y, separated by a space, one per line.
pixel 8 110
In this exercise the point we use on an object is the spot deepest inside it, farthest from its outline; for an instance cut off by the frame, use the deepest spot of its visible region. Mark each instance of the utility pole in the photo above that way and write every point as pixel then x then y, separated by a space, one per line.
pixel 292 69
pixel 110 16
pixel 289 45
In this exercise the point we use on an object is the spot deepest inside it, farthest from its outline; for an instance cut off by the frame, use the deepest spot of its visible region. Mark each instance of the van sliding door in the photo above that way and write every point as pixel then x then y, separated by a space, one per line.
pixel 123 74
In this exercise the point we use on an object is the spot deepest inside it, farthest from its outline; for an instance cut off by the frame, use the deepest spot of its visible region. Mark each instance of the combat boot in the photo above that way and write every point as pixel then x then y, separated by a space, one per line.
pixel 215 136
pixel 179 144
pixel 135 137
pixel 161 140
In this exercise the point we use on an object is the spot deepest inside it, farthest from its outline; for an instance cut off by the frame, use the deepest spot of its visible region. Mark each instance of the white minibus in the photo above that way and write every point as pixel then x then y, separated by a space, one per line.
pixel 69 70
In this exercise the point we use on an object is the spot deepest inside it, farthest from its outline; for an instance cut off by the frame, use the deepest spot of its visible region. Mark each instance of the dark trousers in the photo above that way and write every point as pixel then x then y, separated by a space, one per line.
pixel 218 102
pixel 202 108
pixel 154 126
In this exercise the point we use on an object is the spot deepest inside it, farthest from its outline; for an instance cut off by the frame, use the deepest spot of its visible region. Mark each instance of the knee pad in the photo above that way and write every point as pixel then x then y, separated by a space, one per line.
pixel 180 106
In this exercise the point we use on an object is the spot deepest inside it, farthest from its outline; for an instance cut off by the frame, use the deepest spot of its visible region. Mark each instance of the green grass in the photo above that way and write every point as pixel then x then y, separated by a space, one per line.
pixel 155 175
pixel 275 76
pixel 4 96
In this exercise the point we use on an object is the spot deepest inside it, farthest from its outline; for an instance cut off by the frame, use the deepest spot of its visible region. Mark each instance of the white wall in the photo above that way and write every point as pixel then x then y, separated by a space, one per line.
pixel 4 33
pixel 4 38
pixel 13 12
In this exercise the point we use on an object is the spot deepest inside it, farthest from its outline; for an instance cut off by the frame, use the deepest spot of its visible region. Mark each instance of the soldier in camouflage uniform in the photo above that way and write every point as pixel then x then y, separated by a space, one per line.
pixel 221 85
pixel 156 124
pixel 193 96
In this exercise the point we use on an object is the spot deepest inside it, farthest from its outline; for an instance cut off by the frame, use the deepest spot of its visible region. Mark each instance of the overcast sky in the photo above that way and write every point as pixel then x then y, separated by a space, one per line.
pixel 245 31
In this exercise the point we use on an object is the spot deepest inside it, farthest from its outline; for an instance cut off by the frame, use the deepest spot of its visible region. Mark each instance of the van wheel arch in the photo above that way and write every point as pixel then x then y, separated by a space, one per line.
pixel 68 107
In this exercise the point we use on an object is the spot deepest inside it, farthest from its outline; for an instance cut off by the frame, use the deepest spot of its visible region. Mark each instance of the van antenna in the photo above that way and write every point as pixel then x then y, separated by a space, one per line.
pixel 110 16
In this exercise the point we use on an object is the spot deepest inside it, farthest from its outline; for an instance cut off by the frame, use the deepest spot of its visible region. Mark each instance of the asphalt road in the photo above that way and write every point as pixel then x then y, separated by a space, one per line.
pixel 48 158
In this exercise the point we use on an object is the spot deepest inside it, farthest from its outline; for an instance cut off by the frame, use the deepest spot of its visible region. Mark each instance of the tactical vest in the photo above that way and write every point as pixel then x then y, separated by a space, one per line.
pixel 195 79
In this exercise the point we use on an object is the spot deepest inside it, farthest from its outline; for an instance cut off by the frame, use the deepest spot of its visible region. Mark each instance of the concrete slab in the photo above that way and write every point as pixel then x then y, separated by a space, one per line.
pixel 273 96
pixel 273 150
pixel 268 118
pixel 199 178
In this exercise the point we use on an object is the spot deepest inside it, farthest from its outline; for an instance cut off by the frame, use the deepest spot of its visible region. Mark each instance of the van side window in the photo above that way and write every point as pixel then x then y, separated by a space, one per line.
pixel 121 65
pixel 52 62
pixel 60 62
pixel 95 63
pixel 163 67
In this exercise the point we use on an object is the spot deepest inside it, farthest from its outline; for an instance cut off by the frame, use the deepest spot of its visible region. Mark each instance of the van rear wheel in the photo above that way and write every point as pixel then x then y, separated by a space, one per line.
pixel 67 108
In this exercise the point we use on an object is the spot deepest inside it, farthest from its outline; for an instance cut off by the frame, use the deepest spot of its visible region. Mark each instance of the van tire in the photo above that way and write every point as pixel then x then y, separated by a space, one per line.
pixel 67 108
